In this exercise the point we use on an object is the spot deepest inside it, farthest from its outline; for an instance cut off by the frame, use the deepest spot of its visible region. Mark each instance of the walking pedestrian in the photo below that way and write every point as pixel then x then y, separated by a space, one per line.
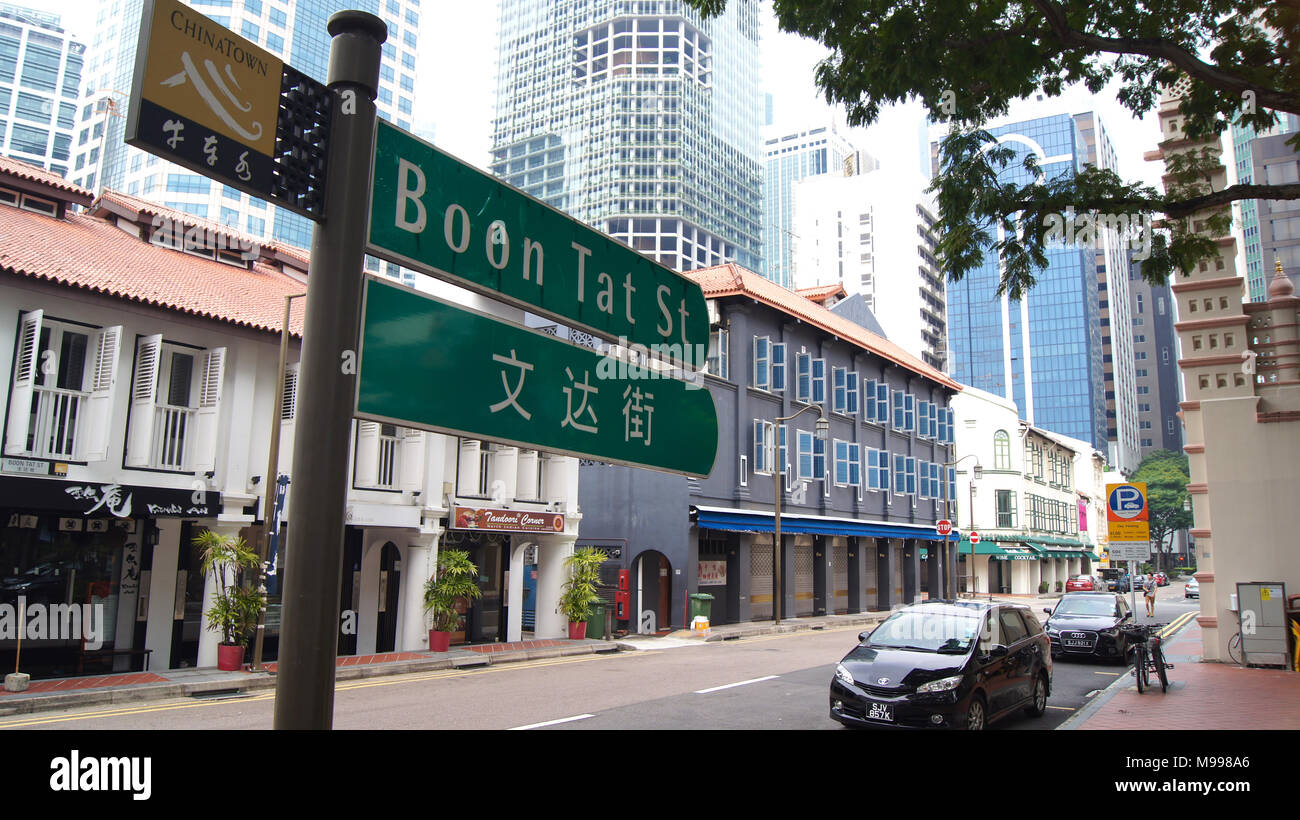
pixel 1149 594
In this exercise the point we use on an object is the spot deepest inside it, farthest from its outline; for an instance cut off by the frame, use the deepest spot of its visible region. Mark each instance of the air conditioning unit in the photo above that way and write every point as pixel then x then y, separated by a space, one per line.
pixel 715 317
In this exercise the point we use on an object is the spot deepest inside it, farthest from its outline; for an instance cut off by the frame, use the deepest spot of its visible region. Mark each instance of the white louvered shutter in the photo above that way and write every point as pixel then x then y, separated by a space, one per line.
pixel 26 373
pixel 144 394
pixel 526 483
pixel 367 454
pixel 410 464
pixel 470 470
pixel 288 417
pixel 99 411
pixel 208 415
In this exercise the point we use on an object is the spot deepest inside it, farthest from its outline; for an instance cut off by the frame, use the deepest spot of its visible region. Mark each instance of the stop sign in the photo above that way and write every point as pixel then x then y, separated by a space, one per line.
pixel 944 527
pixel 974 538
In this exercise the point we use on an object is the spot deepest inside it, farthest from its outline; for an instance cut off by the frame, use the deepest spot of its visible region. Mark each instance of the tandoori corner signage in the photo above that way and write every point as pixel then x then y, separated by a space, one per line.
pixel 484 518
pixel 429 364
pixel 435 214
pixel 210 100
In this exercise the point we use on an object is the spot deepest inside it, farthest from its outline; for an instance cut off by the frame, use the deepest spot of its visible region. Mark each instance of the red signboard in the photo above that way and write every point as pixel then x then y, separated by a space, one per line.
pixel 482 518
pixel 974 538
pixel 944 527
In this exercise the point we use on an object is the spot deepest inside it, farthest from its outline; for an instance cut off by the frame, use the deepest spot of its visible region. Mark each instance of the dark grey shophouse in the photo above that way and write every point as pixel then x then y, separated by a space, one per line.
pixel 859 510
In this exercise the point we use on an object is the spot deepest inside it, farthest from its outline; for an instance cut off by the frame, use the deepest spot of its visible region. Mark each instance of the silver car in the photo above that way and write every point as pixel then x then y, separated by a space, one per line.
pixel 1193 589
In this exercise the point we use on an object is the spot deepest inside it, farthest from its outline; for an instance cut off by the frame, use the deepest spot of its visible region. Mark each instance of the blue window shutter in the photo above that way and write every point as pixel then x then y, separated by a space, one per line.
pixel 758 446
pixel 778 366
pixel 803 372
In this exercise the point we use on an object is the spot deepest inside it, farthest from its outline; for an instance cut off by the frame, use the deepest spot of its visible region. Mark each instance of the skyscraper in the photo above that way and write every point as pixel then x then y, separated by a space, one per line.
pixel 293 30
pixel 40 78
pixel 873 233
pixel 1048 351
pixel 638 118
pixel 792 157
pixel 1246 224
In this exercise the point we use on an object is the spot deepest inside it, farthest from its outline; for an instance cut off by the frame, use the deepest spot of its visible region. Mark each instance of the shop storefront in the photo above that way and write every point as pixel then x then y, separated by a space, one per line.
pixel 77 559
pixel 828 565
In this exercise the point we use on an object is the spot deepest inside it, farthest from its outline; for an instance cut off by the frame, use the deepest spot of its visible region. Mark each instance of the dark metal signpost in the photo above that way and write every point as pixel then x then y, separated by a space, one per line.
pixel 214 102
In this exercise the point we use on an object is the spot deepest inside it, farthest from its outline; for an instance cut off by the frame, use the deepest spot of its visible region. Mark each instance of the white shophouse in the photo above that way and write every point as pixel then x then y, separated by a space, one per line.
pixel 142 358
pixel 1034 506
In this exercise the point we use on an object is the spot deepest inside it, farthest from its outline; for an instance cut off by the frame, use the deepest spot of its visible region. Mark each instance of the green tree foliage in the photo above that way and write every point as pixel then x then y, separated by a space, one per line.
pixel 1166 475
pixel 967 60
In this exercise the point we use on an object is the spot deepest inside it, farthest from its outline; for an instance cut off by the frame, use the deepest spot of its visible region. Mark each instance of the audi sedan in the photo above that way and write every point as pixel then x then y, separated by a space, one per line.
pixel 1088 624
pixel 945 665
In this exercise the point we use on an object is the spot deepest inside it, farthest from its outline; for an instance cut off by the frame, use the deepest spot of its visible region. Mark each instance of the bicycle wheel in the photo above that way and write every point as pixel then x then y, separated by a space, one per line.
pixel 1140 668
pixel 1158 657
pixel 1235 643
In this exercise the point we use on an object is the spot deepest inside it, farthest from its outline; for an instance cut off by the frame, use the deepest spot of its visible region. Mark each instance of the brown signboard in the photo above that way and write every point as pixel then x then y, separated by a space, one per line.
pixel 499 520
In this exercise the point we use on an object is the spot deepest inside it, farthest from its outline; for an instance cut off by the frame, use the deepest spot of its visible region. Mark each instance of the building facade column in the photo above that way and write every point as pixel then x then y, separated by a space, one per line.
pixel 551 575
pixel 418 563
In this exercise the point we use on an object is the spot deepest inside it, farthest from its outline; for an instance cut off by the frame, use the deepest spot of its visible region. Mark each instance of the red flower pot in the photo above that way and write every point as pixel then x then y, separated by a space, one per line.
pixel 439 641
pixel 230 658
pixel 577 630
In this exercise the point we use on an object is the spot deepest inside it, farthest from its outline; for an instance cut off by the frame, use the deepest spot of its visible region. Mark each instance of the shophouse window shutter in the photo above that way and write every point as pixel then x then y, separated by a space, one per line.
pixel 99 409
pixel 367 454
pixel 144 394
pixel 212 369
pixel 22 391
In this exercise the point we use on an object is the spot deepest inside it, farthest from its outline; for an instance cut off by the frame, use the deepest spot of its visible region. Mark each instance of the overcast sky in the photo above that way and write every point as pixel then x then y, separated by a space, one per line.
pixel 458 62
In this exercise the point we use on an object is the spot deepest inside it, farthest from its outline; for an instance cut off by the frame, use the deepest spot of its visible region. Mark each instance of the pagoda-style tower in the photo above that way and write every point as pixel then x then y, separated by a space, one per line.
pixel 1241 413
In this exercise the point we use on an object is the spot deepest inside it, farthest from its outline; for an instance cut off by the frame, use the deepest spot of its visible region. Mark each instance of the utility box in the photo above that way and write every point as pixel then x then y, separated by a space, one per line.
pixel 1262 609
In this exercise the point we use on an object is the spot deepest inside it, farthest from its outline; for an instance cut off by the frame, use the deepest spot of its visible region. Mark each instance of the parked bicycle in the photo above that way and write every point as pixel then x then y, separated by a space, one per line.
pixel 1145 648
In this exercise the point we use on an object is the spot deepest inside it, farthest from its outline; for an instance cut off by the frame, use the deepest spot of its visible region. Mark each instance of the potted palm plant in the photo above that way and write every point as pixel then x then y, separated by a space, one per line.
pixel 236 605
pixel 455 578
pixel 580 590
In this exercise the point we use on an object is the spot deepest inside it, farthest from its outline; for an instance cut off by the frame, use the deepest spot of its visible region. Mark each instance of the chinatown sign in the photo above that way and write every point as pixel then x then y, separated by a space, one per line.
pixel 499 520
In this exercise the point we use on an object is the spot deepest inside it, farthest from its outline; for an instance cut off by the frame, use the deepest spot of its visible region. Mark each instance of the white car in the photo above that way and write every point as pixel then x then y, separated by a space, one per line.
pixel 1193 589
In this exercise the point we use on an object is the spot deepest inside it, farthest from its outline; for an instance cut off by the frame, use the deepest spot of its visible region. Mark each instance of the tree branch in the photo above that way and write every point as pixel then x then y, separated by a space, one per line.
pixel 1188 62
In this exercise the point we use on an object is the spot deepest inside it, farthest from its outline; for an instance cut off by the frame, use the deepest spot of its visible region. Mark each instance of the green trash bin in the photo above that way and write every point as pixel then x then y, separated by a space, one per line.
pixel 701 604
pixel 596 622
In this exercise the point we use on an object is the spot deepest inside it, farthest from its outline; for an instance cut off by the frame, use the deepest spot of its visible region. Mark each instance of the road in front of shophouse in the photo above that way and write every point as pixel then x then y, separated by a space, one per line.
pixel 763 681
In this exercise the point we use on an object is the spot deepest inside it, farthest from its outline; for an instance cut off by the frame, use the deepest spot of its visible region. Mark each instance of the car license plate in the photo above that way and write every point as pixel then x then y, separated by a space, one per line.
pixel 1078 643
pixel 880 711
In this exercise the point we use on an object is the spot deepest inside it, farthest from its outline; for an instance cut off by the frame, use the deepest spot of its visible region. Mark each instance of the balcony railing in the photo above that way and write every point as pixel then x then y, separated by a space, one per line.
pixel 56 416
pixel 171 428
pixel 388 448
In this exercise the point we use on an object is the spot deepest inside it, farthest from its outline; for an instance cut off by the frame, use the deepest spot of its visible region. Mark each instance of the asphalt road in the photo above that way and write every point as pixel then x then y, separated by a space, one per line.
pixel 764 682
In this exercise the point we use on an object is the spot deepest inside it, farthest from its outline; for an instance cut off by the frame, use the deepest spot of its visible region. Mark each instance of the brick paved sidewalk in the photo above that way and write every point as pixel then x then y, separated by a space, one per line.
pixel 1200 696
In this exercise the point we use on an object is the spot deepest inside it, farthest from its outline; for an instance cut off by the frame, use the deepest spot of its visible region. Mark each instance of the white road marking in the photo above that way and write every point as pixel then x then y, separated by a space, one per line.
pixel 730 685
pixel 548 723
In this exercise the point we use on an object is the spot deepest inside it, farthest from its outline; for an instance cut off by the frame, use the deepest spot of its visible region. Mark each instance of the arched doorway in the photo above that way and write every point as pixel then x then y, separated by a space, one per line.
pixel 652 592
pixel 390 584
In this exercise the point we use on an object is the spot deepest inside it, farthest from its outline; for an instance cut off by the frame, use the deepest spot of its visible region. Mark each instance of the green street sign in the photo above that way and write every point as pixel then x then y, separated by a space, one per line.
pixel 433 213
pixel 428 364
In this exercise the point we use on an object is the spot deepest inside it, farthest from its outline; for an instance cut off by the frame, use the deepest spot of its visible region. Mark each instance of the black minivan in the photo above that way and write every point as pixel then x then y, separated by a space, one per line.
pixel 945 664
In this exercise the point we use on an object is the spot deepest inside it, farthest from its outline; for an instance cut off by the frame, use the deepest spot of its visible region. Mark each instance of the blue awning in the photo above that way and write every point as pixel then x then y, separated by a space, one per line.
pixel 736 520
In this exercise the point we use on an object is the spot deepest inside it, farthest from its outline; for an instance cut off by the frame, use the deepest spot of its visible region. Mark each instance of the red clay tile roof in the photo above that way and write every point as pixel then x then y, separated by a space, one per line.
pixel 83 251
pixel 733 280
pixel 821 293
pixel 34 173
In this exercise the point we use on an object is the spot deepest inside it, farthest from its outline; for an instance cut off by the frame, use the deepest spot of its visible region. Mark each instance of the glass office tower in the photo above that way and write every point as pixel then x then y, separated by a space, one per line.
pixel 638 118
pixel 1045 351
pixel 40 78
pixel 293 30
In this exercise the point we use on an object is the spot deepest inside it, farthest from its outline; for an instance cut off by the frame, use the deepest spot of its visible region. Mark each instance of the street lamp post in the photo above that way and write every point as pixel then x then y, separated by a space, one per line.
pixel 270 481
pixel 822 433
pixel 976 476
